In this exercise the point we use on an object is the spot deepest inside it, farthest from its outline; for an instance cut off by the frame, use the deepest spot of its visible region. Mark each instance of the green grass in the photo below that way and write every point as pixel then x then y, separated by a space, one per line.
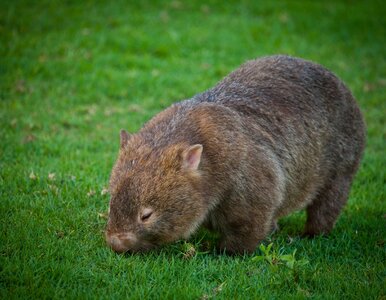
pixel 72 73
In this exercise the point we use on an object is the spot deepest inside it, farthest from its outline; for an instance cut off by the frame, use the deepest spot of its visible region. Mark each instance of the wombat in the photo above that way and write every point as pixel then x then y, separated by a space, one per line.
pixel 276 135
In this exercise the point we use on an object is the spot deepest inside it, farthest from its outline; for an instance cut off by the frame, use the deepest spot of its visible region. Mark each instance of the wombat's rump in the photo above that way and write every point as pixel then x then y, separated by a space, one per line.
pixel 278 134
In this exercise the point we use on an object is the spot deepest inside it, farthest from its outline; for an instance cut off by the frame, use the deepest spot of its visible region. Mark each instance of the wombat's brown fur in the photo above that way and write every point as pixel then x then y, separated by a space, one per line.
pixel 277 135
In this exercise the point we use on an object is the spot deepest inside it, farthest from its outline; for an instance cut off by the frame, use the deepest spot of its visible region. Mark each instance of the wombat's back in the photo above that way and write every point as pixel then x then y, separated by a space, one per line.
pixel 303 112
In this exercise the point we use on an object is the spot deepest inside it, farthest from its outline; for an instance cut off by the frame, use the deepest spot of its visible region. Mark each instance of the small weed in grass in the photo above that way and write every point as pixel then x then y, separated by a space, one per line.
pixel 277 257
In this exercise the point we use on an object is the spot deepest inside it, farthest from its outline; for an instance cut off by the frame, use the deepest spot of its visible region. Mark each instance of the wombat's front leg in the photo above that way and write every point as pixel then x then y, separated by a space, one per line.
pixel 243 229
pixel 323 212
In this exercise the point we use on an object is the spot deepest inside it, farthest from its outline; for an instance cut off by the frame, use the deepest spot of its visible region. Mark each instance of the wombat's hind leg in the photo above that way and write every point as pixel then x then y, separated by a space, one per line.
pixel 323 212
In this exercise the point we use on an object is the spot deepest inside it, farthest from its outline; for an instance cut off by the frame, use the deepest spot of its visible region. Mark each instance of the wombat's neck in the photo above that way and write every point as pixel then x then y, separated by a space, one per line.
pixel 176 124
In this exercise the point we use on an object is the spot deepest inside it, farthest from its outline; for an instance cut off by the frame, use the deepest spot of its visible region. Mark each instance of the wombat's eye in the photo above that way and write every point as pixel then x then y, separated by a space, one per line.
pixel 146 213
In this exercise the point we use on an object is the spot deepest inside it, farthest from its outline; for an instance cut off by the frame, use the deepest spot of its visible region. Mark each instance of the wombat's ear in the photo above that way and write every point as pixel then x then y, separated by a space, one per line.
pixel 124 137
pixel 192 157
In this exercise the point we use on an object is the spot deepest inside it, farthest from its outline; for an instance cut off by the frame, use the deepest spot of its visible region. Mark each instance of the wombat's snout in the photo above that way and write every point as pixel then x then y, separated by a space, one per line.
pixel 121 242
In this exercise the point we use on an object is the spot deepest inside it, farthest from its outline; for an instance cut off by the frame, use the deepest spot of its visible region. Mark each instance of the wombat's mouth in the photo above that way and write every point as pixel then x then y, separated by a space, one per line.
pixel 127 242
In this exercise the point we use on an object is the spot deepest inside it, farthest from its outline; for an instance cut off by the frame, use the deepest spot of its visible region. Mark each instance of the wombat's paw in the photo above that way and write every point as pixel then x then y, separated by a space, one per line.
pixel 317 226
pixel 309 233
pixel 235 247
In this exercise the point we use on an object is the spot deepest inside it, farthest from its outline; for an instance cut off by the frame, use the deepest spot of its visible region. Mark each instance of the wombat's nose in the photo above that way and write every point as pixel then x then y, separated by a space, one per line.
pixel 121 242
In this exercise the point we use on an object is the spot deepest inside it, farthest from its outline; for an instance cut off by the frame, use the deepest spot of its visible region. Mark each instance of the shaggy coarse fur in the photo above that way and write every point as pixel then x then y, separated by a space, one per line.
pixel 276 135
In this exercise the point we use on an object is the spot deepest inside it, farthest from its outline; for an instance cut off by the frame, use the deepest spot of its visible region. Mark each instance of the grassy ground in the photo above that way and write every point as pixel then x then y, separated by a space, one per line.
pixel 72 73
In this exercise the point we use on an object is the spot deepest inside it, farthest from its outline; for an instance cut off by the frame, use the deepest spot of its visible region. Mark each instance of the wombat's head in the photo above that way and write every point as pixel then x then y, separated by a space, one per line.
pixel 156 195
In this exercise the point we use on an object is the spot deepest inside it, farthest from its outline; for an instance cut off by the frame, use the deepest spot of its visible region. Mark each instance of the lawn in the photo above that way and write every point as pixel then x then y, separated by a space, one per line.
pixel 72 73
